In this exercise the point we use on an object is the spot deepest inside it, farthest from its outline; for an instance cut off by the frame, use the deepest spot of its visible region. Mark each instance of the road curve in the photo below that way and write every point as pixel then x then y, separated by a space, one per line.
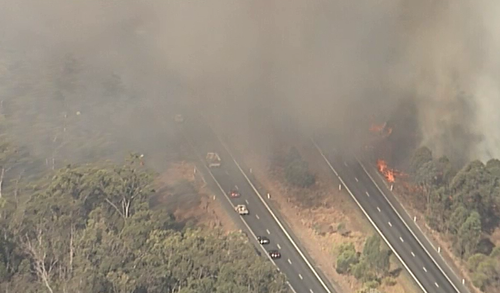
pixel 425 269
pixel 263 220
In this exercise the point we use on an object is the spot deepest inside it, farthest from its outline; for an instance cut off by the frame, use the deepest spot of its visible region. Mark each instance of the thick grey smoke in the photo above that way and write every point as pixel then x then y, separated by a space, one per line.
pixel 311 65
pixel 452 68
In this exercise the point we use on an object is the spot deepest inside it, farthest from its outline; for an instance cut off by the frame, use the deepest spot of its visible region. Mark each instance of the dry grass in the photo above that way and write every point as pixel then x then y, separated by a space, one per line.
pixel 189 200
pixel 321 228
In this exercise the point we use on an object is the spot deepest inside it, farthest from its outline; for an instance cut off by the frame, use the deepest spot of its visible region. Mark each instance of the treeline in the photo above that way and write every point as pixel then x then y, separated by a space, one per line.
pixel 89 228
pixel 371 266
pixel 463 205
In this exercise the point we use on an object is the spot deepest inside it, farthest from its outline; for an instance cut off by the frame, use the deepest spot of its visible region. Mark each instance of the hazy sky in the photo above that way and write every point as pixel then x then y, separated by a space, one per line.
pixel 323 64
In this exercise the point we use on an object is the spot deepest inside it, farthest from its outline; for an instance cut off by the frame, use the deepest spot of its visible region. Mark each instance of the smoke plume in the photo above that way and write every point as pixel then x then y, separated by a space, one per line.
pixel 331 66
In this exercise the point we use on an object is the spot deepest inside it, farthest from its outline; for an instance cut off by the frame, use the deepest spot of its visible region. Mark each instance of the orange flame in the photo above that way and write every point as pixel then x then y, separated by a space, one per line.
pixel 388 173
pixel 377 128
pixel 381 129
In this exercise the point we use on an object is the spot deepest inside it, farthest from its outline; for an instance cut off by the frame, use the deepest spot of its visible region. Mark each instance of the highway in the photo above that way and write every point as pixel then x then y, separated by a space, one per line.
pixel 430 272
pixel 303 277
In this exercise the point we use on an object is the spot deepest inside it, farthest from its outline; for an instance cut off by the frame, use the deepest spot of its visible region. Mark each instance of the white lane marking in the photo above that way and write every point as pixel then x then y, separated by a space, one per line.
pixel 401 238
pixel 356 178
pixel 257 216
pixel 412 254
pixel 369 219
pixel 425 270
pixel 311 290
pixel 247 201
pixel 367 194
pixel 378 209
pixel 236 186
pixel 390 224
pixel 279 247
pixel 227 173
pixel 289 261
pixel 436 284
pixel 345 164
pixel 300 276
pixel 411 231
pixel 275 218
pixel 268 231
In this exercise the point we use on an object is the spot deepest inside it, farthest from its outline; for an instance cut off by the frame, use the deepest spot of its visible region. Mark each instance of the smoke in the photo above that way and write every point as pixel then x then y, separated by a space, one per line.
pixel 314 66
pixel 451 59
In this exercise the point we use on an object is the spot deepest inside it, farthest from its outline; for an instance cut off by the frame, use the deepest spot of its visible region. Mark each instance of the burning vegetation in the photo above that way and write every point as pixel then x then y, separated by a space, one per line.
pixel 386 171
pixel 381 129
pixel 389 173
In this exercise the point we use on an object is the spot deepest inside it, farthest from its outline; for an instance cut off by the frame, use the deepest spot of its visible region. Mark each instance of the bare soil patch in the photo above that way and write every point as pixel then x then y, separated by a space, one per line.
pixel 334 218
pixel 186 196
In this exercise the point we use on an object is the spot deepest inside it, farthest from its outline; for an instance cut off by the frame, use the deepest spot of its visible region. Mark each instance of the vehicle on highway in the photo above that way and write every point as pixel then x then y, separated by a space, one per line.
pixel 274 254
pixel 263 240
pixel 241 209
pixel 213 160
pixel 234 193
pixel 179 118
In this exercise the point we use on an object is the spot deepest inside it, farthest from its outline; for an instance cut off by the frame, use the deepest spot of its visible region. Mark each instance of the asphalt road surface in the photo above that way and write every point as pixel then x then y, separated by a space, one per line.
pixel 262 221
pixel 369 196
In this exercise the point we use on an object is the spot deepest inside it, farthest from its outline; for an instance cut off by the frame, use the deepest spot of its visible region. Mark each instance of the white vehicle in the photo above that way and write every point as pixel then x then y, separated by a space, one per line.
pixel 241 209
pixel 179 118
pixel 213 160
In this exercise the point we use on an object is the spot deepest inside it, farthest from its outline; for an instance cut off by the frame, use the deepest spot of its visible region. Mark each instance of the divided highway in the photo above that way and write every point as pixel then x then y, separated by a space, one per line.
pixel 262 220
pixel 426 270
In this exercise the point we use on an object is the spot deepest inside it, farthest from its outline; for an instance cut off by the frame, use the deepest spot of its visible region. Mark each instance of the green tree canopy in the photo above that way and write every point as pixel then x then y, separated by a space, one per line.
pixel 89 229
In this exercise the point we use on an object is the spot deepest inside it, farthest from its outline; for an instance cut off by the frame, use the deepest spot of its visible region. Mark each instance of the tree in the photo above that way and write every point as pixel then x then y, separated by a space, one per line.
pixel 457 219
pixel 72 240
pixel 297 170
pixel 297 173
pixel 476 189
pixel 468 236
pixel 439 208
pixel 346 259
pixel 421 156
pixel 493 166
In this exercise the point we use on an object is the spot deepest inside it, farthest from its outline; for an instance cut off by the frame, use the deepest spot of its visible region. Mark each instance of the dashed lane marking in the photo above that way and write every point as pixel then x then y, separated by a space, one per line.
pixel 401 238
pixel 425 270
pixel 257 216
pixel 367 194
pixel 412 254
pixel 300 276
pixel 279 247
pixel 267 230
pixel 289 261
pixel 390 224
pixel 356 178
pixel 378 209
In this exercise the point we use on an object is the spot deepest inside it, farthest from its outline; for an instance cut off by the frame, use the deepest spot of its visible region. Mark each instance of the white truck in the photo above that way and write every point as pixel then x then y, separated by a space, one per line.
pixel 241 209
pixel 213 160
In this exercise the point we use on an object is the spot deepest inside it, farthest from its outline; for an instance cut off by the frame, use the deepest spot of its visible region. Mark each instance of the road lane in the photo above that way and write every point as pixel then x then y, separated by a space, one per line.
pixel 395 231
pixel 228 175
pixel 428 274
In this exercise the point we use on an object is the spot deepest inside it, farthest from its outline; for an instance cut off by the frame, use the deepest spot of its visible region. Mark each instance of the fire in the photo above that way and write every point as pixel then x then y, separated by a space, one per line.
pixel 381 129
pixel 388 173
pixel 377 128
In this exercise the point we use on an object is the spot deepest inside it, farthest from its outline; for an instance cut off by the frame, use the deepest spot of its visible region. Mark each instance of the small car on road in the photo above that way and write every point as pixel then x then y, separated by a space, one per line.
pixel 234 193
pixel 274 254
pixel 263 240
pixel 241 209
